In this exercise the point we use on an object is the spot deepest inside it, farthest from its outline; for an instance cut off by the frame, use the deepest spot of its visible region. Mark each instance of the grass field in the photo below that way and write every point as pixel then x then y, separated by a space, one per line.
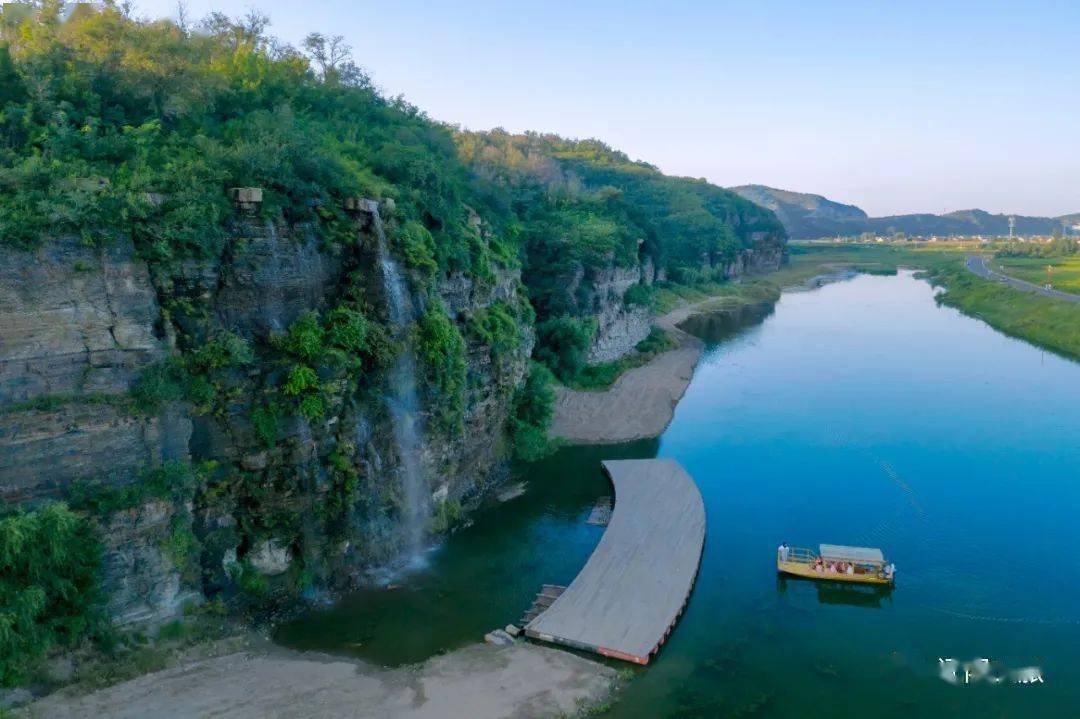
pixel 1065 273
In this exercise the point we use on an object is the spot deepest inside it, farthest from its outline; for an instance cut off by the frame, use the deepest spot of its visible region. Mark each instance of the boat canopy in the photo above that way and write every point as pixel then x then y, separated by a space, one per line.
pixel 857 554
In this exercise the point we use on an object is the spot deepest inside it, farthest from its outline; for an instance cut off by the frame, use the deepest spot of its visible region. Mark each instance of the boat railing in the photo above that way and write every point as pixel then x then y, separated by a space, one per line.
pixel 801 554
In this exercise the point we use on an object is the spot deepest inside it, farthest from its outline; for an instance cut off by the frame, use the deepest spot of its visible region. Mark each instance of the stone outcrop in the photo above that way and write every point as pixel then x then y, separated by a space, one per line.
pixel 74 319
pixel 141 580
pixel 619 327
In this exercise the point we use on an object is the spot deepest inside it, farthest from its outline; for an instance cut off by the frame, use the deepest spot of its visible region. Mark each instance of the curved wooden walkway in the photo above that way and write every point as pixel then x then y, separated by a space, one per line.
pixel 631 591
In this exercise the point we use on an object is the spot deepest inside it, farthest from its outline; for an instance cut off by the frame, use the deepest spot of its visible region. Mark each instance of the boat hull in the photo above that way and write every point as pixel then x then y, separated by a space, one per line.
pixel 802 569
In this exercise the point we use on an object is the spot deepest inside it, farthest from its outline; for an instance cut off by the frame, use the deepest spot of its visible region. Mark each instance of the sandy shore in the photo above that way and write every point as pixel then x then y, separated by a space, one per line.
pixel 642 401
pixel 518 680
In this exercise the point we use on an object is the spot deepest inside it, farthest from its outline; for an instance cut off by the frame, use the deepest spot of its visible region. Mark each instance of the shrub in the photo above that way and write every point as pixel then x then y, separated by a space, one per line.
pixel 348 330
pixel 418 248
pixel 301 379
pixel 638 295
pixel 496 327
pixel 312 407
pixel 441 351
pixel 304 339
pixel 563 343
pixel 174 480
pixel 264 422
pixel 48 585
pixel 224 350
pixel 532 411
pixel 161 382
pixel 250 580
pixel 183 547
pixel 657 341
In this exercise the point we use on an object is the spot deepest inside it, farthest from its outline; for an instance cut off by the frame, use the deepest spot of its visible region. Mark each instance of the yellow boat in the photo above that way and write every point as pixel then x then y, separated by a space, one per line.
pixel 836 563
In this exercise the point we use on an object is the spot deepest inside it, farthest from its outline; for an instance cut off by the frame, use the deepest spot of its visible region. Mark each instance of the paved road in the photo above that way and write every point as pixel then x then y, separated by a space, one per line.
pixel 978 265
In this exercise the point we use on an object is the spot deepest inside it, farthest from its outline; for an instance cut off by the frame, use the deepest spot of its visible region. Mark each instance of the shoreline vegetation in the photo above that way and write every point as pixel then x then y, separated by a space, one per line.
pixel 639 401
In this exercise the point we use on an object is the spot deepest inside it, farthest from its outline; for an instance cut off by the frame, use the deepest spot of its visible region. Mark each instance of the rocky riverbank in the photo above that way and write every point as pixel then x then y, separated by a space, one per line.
pixel 642 401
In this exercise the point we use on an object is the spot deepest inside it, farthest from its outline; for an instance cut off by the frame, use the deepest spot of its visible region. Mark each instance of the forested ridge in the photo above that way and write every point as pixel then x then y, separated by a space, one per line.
pixel 116 129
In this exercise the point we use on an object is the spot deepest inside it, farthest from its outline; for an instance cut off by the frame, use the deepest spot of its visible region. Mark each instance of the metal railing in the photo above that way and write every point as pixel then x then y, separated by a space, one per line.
pixel 801 554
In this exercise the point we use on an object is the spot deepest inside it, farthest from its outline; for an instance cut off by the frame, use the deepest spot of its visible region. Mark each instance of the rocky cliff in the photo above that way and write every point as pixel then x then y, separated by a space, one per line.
pixel 313 502
pixel 621 325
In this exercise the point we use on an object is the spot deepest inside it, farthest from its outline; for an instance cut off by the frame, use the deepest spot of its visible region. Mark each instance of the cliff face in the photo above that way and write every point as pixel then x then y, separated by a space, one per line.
pixel 318 505
pixel 620 325
pixel 76 327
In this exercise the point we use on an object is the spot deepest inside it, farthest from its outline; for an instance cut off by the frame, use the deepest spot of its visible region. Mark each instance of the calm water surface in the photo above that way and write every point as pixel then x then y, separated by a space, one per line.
pixel 860 413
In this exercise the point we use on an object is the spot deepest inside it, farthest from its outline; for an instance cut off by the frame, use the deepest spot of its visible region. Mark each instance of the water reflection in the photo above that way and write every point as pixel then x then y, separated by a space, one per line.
pixel 714 327
pixel 829 592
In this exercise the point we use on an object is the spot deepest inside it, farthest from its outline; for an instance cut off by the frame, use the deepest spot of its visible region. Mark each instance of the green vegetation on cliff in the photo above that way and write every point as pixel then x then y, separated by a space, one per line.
pixel 49 560
pixel 532 413
pixel 114 127
pixel 579 205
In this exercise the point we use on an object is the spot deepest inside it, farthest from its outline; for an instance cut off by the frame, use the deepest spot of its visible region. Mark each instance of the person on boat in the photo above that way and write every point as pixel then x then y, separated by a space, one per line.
pixel 890 571
pixel 818 565
pixel 783 551
pixel 850 569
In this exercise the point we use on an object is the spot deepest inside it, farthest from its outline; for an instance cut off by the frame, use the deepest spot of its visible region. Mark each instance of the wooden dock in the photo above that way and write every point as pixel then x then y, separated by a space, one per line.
pixel 628 596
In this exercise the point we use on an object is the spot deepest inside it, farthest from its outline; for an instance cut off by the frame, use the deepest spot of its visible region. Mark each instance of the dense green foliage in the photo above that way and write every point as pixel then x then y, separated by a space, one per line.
pixel 532 413
pixel 114 127
pixel 48 563
pixel 580 205
pixel 563 343
pixel 440 349
pixel 110 126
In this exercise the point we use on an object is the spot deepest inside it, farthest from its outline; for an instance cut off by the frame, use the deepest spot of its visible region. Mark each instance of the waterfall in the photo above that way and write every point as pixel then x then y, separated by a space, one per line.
pixel 403 401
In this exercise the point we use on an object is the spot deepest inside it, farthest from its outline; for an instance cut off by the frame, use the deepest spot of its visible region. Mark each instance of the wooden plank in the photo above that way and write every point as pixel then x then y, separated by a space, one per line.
pixel 635 584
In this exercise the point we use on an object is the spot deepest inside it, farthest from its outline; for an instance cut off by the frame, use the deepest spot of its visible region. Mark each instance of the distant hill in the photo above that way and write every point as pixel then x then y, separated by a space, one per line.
pixel 807 216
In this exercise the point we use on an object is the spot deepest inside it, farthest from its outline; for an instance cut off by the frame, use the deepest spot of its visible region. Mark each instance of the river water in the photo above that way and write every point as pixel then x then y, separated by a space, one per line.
pixel 860 413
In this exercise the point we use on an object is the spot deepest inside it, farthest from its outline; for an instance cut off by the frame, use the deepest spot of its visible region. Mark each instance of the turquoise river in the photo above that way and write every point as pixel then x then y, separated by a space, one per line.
pixel 859 413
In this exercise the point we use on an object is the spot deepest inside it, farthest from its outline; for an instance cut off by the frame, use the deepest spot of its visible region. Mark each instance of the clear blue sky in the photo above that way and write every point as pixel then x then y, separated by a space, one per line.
pixel 895 107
